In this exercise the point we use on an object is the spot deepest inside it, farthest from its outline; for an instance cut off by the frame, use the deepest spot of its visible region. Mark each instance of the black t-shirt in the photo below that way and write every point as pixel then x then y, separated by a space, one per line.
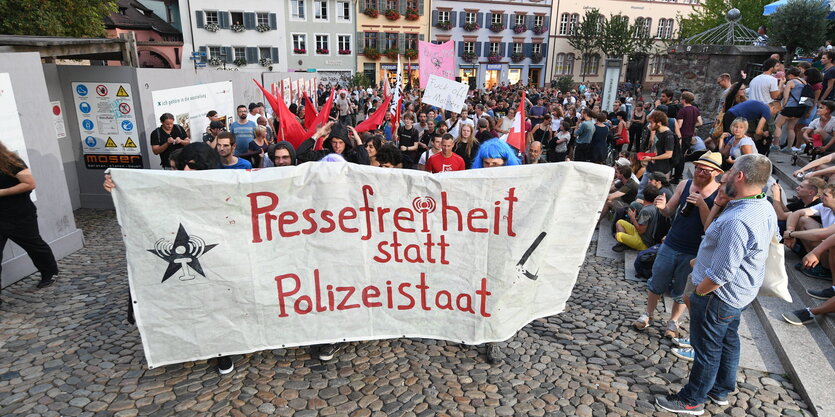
pixel 798 204
pixel 408 138
pixel 14 206
pixel 461 150
pixel 160 137
pixel 664 141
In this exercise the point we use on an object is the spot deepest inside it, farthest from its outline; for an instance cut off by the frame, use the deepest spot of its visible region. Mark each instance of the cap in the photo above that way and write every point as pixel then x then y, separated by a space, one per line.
pixel 216 124
pixel 711 160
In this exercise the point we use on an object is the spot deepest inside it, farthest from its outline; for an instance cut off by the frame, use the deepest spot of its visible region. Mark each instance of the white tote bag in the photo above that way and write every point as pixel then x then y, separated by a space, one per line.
pixel 776 282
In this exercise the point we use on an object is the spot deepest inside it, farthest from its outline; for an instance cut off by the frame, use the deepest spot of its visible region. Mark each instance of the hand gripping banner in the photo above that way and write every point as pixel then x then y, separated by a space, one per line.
pixel 226 262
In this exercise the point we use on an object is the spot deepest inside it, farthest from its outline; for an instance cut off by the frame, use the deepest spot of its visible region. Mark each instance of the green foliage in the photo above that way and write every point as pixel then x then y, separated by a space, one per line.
pixel 712 14
pixel 565 83
pixel 615 36
pixel 787 21
pixel 359 80
pixel 583 37
pixel 72 18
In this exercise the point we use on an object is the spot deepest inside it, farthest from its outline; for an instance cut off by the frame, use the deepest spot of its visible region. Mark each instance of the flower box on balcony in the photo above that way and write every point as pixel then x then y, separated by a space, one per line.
pixel 469 27
pixel 392 14
pixel 497 27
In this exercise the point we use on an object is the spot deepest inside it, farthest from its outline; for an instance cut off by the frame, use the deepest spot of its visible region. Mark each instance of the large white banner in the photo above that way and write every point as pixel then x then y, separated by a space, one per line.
pixel 11 134
pixel 226 262
pixel 189 105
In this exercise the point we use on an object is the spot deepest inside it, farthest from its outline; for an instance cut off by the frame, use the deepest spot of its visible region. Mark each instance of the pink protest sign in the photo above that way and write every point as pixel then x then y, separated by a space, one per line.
pixel 436 59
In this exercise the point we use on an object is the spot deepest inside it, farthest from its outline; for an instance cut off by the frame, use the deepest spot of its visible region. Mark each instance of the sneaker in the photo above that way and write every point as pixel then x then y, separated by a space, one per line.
pixel 684 353
pixel 676 405
pixel 46 281
pixel 774 148
pixel 796 149
pixel 823 294
pixel 620 247
pixel 683 342
pixel 494 354
pixel 225 365
pixel 717 399
pixel 642 322
pixel 327 352
pixel 672 330
pixel 799 317
pixel 818 272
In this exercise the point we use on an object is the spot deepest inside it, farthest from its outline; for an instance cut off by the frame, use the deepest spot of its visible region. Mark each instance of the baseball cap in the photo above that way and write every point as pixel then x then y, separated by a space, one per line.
pixel 216 124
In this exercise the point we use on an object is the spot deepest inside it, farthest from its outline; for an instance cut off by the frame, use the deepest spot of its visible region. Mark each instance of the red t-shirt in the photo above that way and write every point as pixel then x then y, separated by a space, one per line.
pixel 439 163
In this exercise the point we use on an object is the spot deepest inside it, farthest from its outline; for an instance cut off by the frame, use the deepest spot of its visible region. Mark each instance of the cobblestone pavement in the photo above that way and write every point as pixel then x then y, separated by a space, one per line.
pixel 67 350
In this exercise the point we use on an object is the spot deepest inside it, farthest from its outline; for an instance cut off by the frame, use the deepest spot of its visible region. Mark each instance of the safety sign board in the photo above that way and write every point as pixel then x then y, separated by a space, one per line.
pixel 106 120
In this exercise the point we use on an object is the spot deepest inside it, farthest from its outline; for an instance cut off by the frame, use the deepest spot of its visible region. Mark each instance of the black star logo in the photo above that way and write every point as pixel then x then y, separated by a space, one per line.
pixel 183 254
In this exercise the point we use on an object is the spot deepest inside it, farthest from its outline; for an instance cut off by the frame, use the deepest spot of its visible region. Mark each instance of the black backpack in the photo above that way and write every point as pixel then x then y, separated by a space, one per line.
pixel 807 96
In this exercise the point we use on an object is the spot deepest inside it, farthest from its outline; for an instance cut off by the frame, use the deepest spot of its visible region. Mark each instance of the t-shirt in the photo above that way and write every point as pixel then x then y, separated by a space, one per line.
pixel 425 157
pixel 798 204
pixel 244 133
pixel 536 113
pixel 241 164
pixel 827 217
pixel 664 141
pixel 688 115
pixel 440 163
pixel 629 190
pixel 761 87
pixel 160 137
pixel 648 216
pixel 14 207
pixel 751 110
pixel 828 74
pixel 829 128
pixel 408 138
pixel 585 132
pixel 736 146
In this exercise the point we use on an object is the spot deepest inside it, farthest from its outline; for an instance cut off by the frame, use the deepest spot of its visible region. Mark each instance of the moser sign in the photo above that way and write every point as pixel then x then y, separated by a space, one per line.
pixel 244 261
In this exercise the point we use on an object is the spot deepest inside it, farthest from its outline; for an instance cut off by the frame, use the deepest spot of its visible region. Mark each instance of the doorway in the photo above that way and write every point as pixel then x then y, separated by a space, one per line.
pixel 636 68
pixel 491 78
pixel 533 76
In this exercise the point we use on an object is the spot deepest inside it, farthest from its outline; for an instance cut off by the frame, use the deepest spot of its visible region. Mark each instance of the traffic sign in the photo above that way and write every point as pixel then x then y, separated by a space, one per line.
pixel 200 64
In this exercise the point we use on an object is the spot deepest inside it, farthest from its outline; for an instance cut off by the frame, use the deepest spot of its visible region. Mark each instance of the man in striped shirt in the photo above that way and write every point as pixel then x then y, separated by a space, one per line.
pixel 729 270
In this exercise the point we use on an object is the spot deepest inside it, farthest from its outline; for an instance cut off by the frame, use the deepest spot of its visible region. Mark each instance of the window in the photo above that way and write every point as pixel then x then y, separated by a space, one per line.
pixel 240 52
pixel 320 9
pixel 565 64
pixel 665 29
pixel 392 4
pixel 367 4
pixel 564 24
pixel 443 16
pixel 262 19
pixel 299 43
pixel 469 17
pixel 494 48
pixel 469 47
pixel 391 41
pixel 575 21
pixel 370 40
pixel 343 11
pixel 322 45
pixel 412 4
pixel 264 52
pixel 517 48
pixel 496 19
pixel 519 20
pixel 297 9
pixel 411 41
pixel 237 18
pixel 214 52
pixel 646 23
pixel 211 17
pixel 657 64
pixel 536 48
pixel 343 42
pixel 539 20
pixel 591 64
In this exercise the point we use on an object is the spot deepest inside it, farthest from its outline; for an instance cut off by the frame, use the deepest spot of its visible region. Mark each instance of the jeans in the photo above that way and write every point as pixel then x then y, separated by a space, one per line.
pixel 669 273
pixel 714 336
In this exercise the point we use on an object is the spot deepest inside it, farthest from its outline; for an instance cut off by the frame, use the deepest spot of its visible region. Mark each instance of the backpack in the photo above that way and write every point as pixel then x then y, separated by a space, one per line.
pixel 644 261
pixel 807 96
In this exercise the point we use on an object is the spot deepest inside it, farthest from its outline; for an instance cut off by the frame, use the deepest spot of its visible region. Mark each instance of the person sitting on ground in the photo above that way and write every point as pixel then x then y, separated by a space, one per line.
pixel 808 314
pixel 639 232
pixel 819 168
pixel 736 143
pixel 658 180
pixel 813 259
pixel 625 192
pixel 800 225
pixel 820 134
pixel 808 194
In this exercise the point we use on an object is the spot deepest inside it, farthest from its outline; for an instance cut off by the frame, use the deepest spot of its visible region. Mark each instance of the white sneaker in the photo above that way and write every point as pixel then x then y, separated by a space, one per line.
pixel 642 322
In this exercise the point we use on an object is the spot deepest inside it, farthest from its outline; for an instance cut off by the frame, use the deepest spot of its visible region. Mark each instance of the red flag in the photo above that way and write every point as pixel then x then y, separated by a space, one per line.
pixel 309 112
pixel 516 136
pixel 376 119
pixel 293 132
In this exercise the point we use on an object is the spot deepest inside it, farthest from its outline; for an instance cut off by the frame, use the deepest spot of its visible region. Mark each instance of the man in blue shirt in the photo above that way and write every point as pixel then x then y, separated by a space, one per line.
pixel 243 129
pixel 728 273
pixel 584 132
pixel 225 145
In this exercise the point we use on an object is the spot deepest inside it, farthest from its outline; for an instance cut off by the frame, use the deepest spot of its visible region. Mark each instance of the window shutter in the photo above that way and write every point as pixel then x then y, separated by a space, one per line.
pixel 527 49
pixel 502 49
pixel 360 42
pixel 199 19
pixel 460 48
pixel 401 42
pixel 452 16
pixel 273 23
pixel 230 54
pixel 544 50
pixel 420 37
pixel 402 7
pixel 434 17
pixel 420 7
pixel 249 20
pixel 251 55
pixel 223 18
pixel 274 55
pixel 486 48
pixel 205 51
pixel 479 19
pixel 504 20
pixel 529 22
pixel 462 18
pixel 477 49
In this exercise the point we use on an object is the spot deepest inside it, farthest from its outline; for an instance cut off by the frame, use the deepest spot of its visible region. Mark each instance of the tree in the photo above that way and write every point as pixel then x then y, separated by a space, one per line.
pixel 711 13
pixel 582 36
pixel 810 15
pixel 73 18
pixel 615 36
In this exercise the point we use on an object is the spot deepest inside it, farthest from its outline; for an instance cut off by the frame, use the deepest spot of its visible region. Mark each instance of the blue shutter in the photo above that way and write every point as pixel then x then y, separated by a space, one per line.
pixel 486 48
pixel 224 18
pixel 434 17
pixel 546 20
pixel 251 55
pixel 477 49
pixel 479 18
pixel 460 48
pixel 502 49
pixel 529 22
pixel 199 19
pixel 544 50
pixel 452 16
pixel 230 54
pixel 273 23
pixel 274 55
pixel 205 51
pixel 504 20
pixel 249 20
pixel 527 49
pixel 462 18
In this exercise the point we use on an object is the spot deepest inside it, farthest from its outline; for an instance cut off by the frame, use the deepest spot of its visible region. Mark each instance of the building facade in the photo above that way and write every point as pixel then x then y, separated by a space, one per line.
pixel 496 42
pixel 387 29
pixel 243 35
pixel 657 17
pixel 321 38
pixel 158 43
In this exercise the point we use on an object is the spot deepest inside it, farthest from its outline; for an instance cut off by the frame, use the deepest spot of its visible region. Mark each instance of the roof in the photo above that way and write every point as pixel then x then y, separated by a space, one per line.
pixel 23 40
pixel 133 15
pixel 66 48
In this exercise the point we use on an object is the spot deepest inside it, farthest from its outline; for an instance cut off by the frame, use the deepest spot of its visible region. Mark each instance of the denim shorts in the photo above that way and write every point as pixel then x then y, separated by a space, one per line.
pixel 669 273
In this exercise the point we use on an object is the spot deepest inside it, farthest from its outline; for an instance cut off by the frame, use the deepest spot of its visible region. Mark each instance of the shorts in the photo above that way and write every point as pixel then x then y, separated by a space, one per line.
pixel 795 112
pixel 669 273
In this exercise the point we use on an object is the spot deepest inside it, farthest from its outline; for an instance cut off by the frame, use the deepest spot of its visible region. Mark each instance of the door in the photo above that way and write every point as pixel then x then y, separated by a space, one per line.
pixel 533 76
pixel 492 78
pixel 636 68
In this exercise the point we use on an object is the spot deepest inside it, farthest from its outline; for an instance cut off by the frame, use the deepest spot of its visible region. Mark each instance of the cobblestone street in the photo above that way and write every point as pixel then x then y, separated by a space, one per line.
pixel 68 350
